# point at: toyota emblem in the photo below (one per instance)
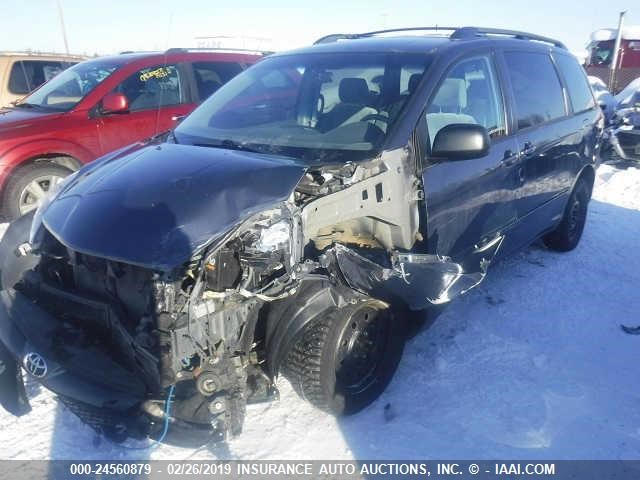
(35, 364)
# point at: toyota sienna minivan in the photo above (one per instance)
(292, 225)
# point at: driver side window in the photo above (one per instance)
(152, 88)
(468, 94)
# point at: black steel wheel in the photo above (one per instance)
(345, 359)
(567, 236)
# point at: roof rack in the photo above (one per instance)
(34, 53)
(469, 32)
(334, 37)
(236, 50)
(458, 33)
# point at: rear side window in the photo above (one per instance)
(577, 84)
(536, 88)
(210, 76)
(27, 75)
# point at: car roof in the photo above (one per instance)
(126, 58)
(45, 56)
(398, 44)
(434, 41)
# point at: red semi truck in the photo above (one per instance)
(602, 52)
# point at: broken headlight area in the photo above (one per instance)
(257, 255)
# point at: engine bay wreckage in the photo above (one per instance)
(112, 307)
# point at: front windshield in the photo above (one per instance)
(64, 91)
(630, 96)
(601, 53)
(318, 107)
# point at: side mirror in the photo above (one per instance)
(114, 103)
(461, 141)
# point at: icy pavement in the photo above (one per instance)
(532, 364)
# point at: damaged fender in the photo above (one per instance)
(418, 280)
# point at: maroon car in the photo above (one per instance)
(98, 106)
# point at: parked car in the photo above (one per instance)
(624, 134)
(291, 223)
(99, 106)
(629, 95)
(23, 72)
(604, 98)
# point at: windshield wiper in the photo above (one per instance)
(32, 105)
(24, 105)
(229, 145)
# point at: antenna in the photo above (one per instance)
(616, 53)
(64, 29)
(166, 50)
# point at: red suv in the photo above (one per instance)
(98, 106)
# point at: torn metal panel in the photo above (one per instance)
(13, 396)
(381, 204)
(418, 280)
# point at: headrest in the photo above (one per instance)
(354, 90)
(152, 85)
(414, 80)
(452, 93)
(478, 87)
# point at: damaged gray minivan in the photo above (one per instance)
(291, 224)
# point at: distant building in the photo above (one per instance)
(235, 42)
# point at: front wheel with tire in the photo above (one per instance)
(28, 186)
(343, 360)
(568, 233)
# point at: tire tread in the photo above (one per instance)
(302, 366)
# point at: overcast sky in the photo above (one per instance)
(110, 26)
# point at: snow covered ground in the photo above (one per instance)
(532, 365)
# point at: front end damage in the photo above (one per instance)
(116, 336)
(624, 135)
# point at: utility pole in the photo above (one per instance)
(616, 54)
(64, 29)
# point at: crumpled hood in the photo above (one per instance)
(155, 206)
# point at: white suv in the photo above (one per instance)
(21, 73)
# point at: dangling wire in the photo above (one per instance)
(165, 430)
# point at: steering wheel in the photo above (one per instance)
(375, 116)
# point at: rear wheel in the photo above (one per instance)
(28, 186)
(567, 236)
(343, 361)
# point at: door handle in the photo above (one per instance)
(528, 149)
(178, 118)
(509, 158)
